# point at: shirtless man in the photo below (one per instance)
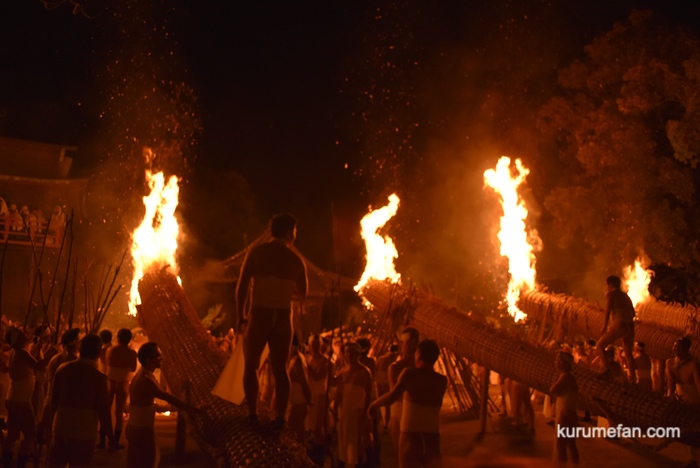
(69, 343)
(409, 344)
(372, 437)
(422, 390)
(106, 336)
(566, 391)
(79, 399)
(619, 306)
(643, 364)
(39, 346)
(277, 275)
(683, 380)
(317, 371)
(20, 413)
(121, 364)
(519, 399)
(351, 404)
(142, 450)
(382, 377)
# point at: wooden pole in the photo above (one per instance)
(485, 381)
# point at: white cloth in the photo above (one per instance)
(142, 416)
(318, 409)
(352, 413)
(119, 374)
(230, 384)
(420, 418)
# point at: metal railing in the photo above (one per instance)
(20, 232)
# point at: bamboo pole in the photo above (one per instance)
(102, 309)
(37, 274)
(65, 282)
(71, 314)
(55, 272)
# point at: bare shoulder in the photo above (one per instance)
(142, 383)
(398, 366)
(253, 254)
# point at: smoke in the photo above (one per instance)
(143, 104)
(449, 97)
(444, 91)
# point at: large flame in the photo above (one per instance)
(154, 242)
(637, 279)
(381, 251)
(513, 234)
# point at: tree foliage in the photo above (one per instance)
(623, 131)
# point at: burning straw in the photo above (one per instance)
(193, 361)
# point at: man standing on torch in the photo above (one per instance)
(272, 275)
(619, 306)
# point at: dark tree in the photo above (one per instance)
(623, 133)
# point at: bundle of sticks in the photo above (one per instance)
(533, 366)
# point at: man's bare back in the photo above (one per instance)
(277, 275)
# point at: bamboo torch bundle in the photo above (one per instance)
(192, 365)
(578, 317)
(534, 367)
(683, 318)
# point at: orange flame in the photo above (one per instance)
(513, 234)
(637, 279)
(154, 242)
(381, 251)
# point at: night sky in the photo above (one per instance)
(322, 107)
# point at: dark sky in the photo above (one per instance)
(283, 88)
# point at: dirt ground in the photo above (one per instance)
(501, 446)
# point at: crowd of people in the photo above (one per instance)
(62, 396)
(329, 390)
(354, 387)
(23, 225)
(341, 398)
(311, 393)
